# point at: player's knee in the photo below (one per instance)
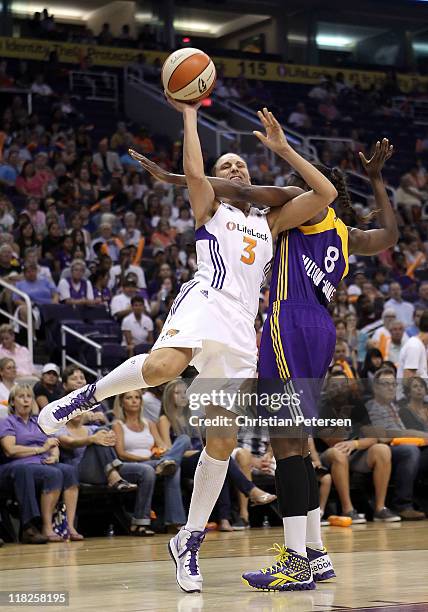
(220, 448)
(156, 369)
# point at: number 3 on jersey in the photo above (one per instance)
(248, 257)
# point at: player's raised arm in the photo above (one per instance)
(236, 191)
(307, 204)
(201, 193)
(371, 242)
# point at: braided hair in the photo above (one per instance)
(338, 179)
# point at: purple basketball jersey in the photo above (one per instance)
(310, 261)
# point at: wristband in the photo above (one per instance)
(357, 443)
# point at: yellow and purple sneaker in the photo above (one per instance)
(321, 565)
(290, 572)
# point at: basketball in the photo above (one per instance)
(188, 75)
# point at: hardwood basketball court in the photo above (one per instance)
(379, 567)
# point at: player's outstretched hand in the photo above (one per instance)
(159, 173)
(382, 152)
(182, 107)
(274, 139)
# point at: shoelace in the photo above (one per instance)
(193, 545)
(83, 401)
(280, 559)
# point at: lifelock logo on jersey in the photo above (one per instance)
(231, 226)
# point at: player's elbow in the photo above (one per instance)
(394, 236)
(331, 194)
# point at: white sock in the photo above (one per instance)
(295, 533)
(313, 529)
(126, 377)
(208, 481)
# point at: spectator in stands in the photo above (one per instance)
(413, 356)
(48, 389)
(413, 329)
(9, 265)
(137, 327)
(8, 376)
(397, 340)
(164, 236)
(120, 305)
(185, 221)
(328, 109)
(319, 92)
(32, 461)
(26, 236)
(10, 170)
(105, 37)
(121, 138)
(346, 451)
(107, 242)
(76, 289)
(134, 186)
(125, 267)
(102, 293)
(86, 191)
(40, 88)
(382, 334)
(422, 302)
(136, 438)
(415, 255)
(409, 196)
(36, 216)
(403, 310)
(51, 243)
(341, 306)
(414, 408)
(384, 418)
(20, 354)
(299, 118)
(372, 363)
(39, 290)
(108, 162)
(30, 183)
(130, 234)
(65, 253)
(342, 359)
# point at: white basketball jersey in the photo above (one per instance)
(234, 252)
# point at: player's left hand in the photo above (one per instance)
(274, 139)
(159, 173)
(382, 152)
(182, 107)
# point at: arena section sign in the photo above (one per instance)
(32, 49)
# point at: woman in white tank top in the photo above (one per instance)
(139, 446)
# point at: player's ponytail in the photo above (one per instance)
(338, 179)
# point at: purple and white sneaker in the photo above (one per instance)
(184, 551)
(53, 416)
(321, 565)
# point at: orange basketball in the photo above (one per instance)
(188, 75)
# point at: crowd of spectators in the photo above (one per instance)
(43, 25)
(82, 225)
